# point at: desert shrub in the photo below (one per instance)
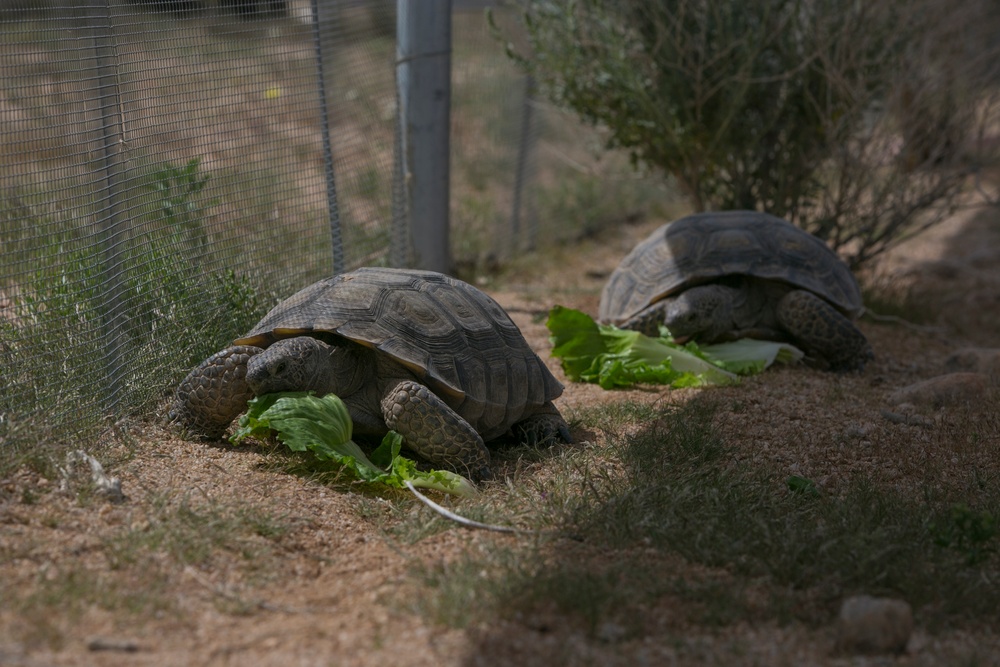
(856, 121)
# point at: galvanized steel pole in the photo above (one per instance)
(111, 224)
(423, 76)
(336, 236)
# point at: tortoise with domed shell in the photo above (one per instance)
(720, 276)
(418, 352)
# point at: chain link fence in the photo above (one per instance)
(172, 168)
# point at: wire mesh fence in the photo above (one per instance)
(172, 168)
(168, 172)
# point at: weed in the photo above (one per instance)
(72, 590)
(369, 183)
(802, 485)
(809, 146)
(376, 510)
(612, 418)
(971, 533)
(143, 562)
(582, 202)
(888, 297)
(195, 535)
(178, 189)
(262, 523)
(75, 588)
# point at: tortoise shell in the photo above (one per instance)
(454, 338)
(704, 247)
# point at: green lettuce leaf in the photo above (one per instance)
(748, 356)
(614, 357)
(322, 425)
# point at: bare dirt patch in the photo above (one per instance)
(223, 556)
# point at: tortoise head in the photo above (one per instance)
(302, 363)
(704, 313)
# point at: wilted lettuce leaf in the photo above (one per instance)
(748, 356)
(614, 357)
(322, 425)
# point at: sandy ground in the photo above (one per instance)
(333, 588)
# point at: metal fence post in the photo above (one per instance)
(112, 228)
(336, 236)
(423, 75)
(521, 208)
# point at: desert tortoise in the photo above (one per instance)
(720, 276)
(419, 352)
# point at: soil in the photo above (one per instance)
(332, 589)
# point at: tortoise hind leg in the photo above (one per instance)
(829, 338)
(546, 426)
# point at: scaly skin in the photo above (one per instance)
(433, 430)
(545, 426)
(214, 393)
(825, 334)
(217, 391)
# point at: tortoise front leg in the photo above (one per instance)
(433, 430)
(214, 393)
(829, 337)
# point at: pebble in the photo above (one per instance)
(112, 644)
(874, 625)
(904, 417)
(943, 390)
(610, 632)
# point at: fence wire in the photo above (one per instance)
(168, 174)
(170, 169)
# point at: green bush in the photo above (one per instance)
(844, 117)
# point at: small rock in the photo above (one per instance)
(874, 625)
(937, 392)
(984, 360)
(908, 419)
(856, 431)
(610, 632)
(110, 644)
